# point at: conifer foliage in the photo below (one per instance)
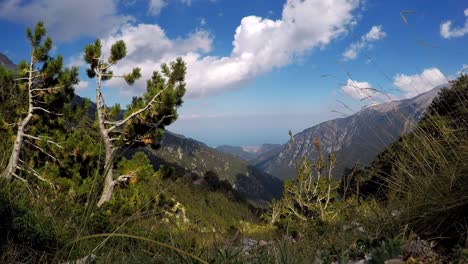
(36, 95)
(146, 116)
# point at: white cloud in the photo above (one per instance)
(148, 47)
(203, 21)
(66, 20)
(412, 85)
(155, 6)
(76, 61)
(446, 30)
(357, 90)
(408, 86)
(259, 45)
(147, 41)
(363, 91)
(373, 35)
(82, 85)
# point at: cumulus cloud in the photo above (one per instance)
(148, 47)
(66, 20)
(446, 30)
(363, 91)
(408, 86)
(357, 90)
(155, 6)
(82, 85)
(259, 45)
(76, 61)
(412, 85)
(373, 35)
(149, 42)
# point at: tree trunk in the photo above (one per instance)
(15, 154)
(14, 157)
(108, 182)
(108, 164)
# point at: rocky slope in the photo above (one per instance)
(250, 154)
(354, 139)
(237, 151)
(190, 156)
(6, 62)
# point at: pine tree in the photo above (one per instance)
(7, 112)
(39, 91)
(146, 116)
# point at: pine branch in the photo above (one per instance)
(43, 151)
(24, 181)
(160, 121)
(150, 104)
(44, 139)
(45, 110)
(124, 178)
(47, 89)
(112, 75)
(108, 66)
(34, 172)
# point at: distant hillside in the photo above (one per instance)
(250, 154)
(356, 138)
(6, 62)
(237, 151)
(190, 156)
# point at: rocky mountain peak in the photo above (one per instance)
(357, 138)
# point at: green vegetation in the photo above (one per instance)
(411, 204)
(423, 176)
(145, 118)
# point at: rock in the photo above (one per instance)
(395, 261)
(248, 243)
(262, 243)
(362, 261)
(88, 259)
(421, 249)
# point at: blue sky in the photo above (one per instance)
(257, 68)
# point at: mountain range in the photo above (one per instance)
(248, 153)
(189, 156)
(355, 139)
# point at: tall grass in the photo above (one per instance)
(428, 180)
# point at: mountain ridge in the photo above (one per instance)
(363, 134)
(6, 62)
(249, 154)
(191, 156)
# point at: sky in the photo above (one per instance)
(257, 68)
